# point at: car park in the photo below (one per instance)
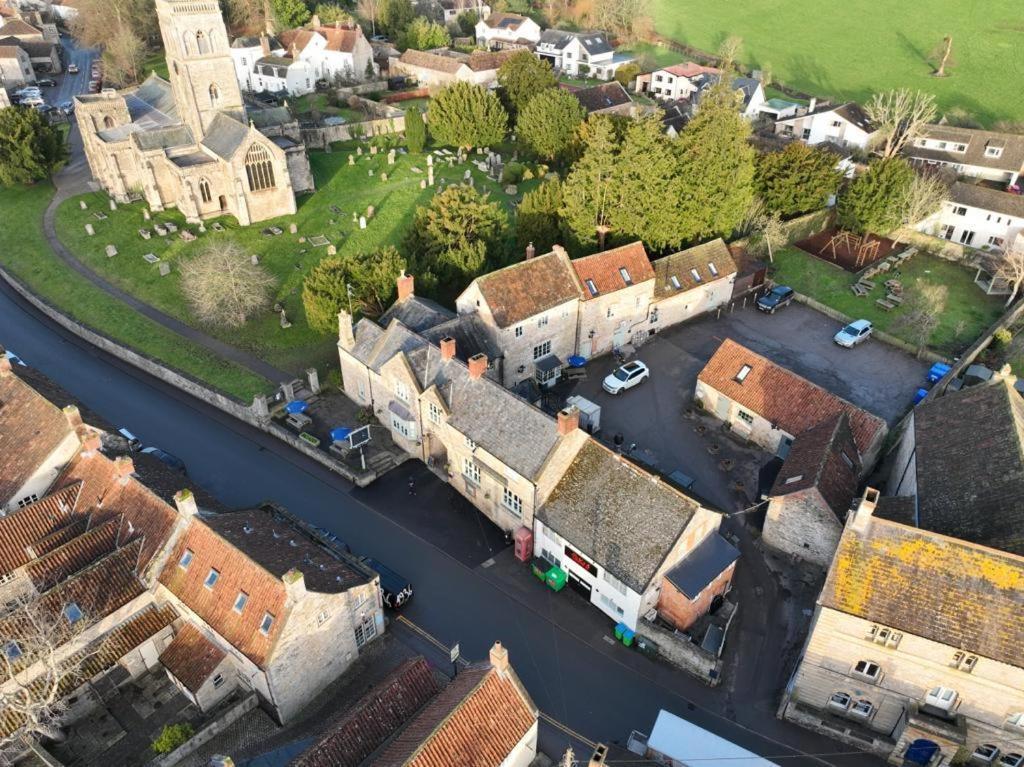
(172, 461)
(626, 377)
(775, 299)
(855, 333)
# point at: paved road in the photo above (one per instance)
(599, 690)
(69, 85)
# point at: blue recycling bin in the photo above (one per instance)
(920, 395)
(937, 371)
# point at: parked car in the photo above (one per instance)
(31, 101)
(14, 358)
(626, 377)
(67, 107)
(395, 589)
(854, 333)
(775, 299)
(166, 458)
(73, 69)
(134, 443)
(46, 82)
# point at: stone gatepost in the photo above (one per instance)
(259, 408)
(314, 380)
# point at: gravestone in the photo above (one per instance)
(145, 234)
(430, 160)
(82, 205)
(351, 160)
(164, 268)
(111, 251)
(355, 217)
(202, 228)
(423, 183)
(302, 240)
(468, 175)
(332, 250)
(145, 214)
(472, 183)
(254, 260)
(383, 176)
(511, 189)
(373, 150)
(150, 258)
(370, 210)
(362, 222)
(391, 158)
(89, 230)
(359, 151)
(113, 205)
(370, 173)
(451, 162)
(285, 324)
(430, 176)
(293, 228)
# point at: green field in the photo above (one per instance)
(854, 48)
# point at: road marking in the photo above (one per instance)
(488, 563)
(608, 639)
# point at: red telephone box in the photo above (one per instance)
(524, 544)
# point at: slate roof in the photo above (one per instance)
(950, 591)
(594, 42)
(265, 117)
(375, 718)
(225, 135)
(499, 20)
(417, 314)
(31, 428)
(986, 198)
(605, 96)
(603, 269)
(970, 465)
(706, 562)
(528, 288)
(191, 657)
(698, 257)
(471, 336)
(475, 721)
(782, 397)
(816, 459)
(613, 512)
(253, 41)
(851, 111)
(1012, 144)
(897, 508)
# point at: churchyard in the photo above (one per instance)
(385, 196)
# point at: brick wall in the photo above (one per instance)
(676, 607)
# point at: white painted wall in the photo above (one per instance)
(973, 227)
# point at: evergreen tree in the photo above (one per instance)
(415, 131)
(395, 16)
(371, 275)
(330, 13)
(289, 13)
(874, 201)
(521, 77)
(589, 195)
(549, 123)
(797, 179)
(423, 35)
(467, 115)
(538, 218)
(716, 168)
(30, 148)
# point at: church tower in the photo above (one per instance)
(199, 62)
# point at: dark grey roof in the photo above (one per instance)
(604, 96)
(471, 336)
(191, 159)
(548, 363)
(749, 87)
(977, 141)
(970, 465)
(156, 93)
(416, 313)
(593, 42)
(253, 41)
(269, 117)
(225, 135)
(897, 508)
(986, 198)
(702, 565)
(164, 138)
(851, 111)
(613, 512)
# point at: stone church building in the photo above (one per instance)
(190, 143)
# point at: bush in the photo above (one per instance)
(173, 736)
(513, 173)
(1002, 337)
(527, 174)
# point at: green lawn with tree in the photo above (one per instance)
(860, 47)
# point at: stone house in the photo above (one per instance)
(614, 309)
(689, 589)
(815, 487)
(770, 405)
(15, 68)
(960, 461)
(980, 154)
(440, 67)
(507, 31)
(846, 125)
(331, 52)
(43, 56)
(691, 282)
(914, 648)
(606, 99)
(617, 531)
(977, 216)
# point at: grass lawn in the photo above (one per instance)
(25, 253)
(854, 48)
(318, 101)
(350, 188)
(154, 62)
(659, 56)
(830, 285)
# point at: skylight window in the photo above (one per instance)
(12, 651)
(625, 275)
(696, 275)
(675, 282)
(211, 578)
(73, 612)
(240, 601)
(266, 623)
(186, 559)
(744, 372)
(794, 478)
(713, 269)
(591, 287)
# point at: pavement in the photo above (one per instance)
(579, 680)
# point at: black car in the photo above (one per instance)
(776, 298)
(172, 461)
(46, 82)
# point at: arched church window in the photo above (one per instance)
(204, 190)
(214, 95)
(259, 168)
(202, 44)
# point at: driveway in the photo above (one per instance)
(874, 376)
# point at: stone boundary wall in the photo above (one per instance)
(207, 733)
(187, 384)
(387, 119)
(372, 86)
(684, 655)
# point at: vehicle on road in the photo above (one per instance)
(856, 332)
(172, 461)
(14, 358)
(395, 589)
(31, 101)
(67, 107)
(775, 299)
(46, 82)
(73, 69)
(626, 377)
(134, 443)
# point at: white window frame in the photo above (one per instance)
(614, 582)
(365, 630)
(28, 500)
(746, 417)
(402, 391)
(241, 600)
(862, 709)
(211, 578)
(406, 428)
(267, 623)
(839, 701)
(944, 698)
(434, 413)
(218, 680)
(867, 669)
(471, 471)
(322, 617)
(512, 502)
(6, 578)
(518, 332)
(186, 559)
(964, 661)
(985, 752)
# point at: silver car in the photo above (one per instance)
(856, 332)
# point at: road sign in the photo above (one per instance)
(359, 437)
(455, 652)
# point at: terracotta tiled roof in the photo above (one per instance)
(475, 722)
(960, 594)
(480, 61)
(682, 264)
(528, 288)
(266, 593)
(371, 721)
(24, 527)
(603, 269)
(789, 401)
(63, 562)
(342, 40)
(31, 428)
(191, 657)
(816, 460)
(57, 539)
(689, 69)
(19, 28)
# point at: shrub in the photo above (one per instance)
(1002, 337)
(513, 173)
(173, 736)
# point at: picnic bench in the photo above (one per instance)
(298, 421)
(885, 304)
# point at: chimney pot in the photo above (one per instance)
(559, 250)
(531, 251)
(406, 286)
(477, 366)
(568, 421)
(123, 468)
(599, 756)
(185, 502)
(499, 658)
(447, 348)
(74, 417)
(294, 584)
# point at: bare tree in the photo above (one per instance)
(368, 9)
(927, 191)
(1010, 267)
(924, 307)
(620, 17)
(900, 117)
(729, 51)
(123, 29)
(771, 233)
(942, 56)
(224, 286)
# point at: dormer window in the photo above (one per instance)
(211, 578)
(743, 373)
(839, 701)
(868, 670)
(625, 275)
(591, 287)
(993, 151)
(1011, 760)
(942, 698)
(964, 661)
(985, 753)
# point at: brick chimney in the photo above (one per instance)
(123, 468)
(860, 520)
(73, 417)
(406, 286)
(568, 421)
(597, 759)
(265, 44)
(5, 365)
(531, 251)
(499, 658)
(91, 443)
(185, 501)
(447, 348)
(346, 336)
(314, 22)
(477, 366)
(559, 250)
